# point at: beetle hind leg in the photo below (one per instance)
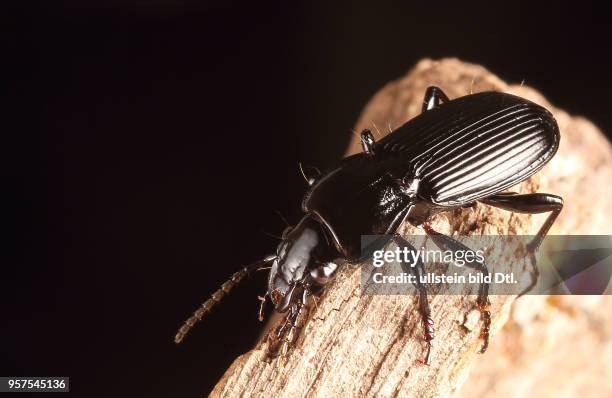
(531, 203)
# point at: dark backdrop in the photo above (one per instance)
(148, 147)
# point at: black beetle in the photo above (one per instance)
(452, 155)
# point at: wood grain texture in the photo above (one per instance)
(371, 346)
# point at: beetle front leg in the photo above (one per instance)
(434, 96)
(484, 305)
(417, 270)
(293, 325)
(285, 334)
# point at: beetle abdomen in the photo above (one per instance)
(475, 146)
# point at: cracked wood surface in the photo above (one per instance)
(371, 346)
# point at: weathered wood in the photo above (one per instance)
(371, 346)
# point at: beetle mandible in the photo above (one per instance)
(454, 154)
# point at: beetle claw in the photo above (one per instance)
(427, 360)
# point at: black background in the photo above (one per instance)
(148, 146)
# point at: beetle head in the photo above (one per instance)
(295, 256)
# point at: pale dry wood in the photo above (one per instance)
(371, 346)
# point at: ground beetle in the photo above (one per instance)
(452, 155)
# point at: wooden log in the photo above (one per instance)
(372, 346)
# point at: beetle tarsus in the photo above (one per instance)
(534, 273)
(427, 359)
(263, 298)
(428, 328)
(485, 315)
(286, 333)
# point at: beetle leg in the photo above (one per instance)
(434, 96)
(289, 338)
(286, 333)
(447, 243)
(276, 337)
(262, 299)
(417, 270)
(531, 203)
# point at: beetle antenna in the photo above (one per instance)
(282, 217)
(522, 82)
(217, 296)
(272, 235)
